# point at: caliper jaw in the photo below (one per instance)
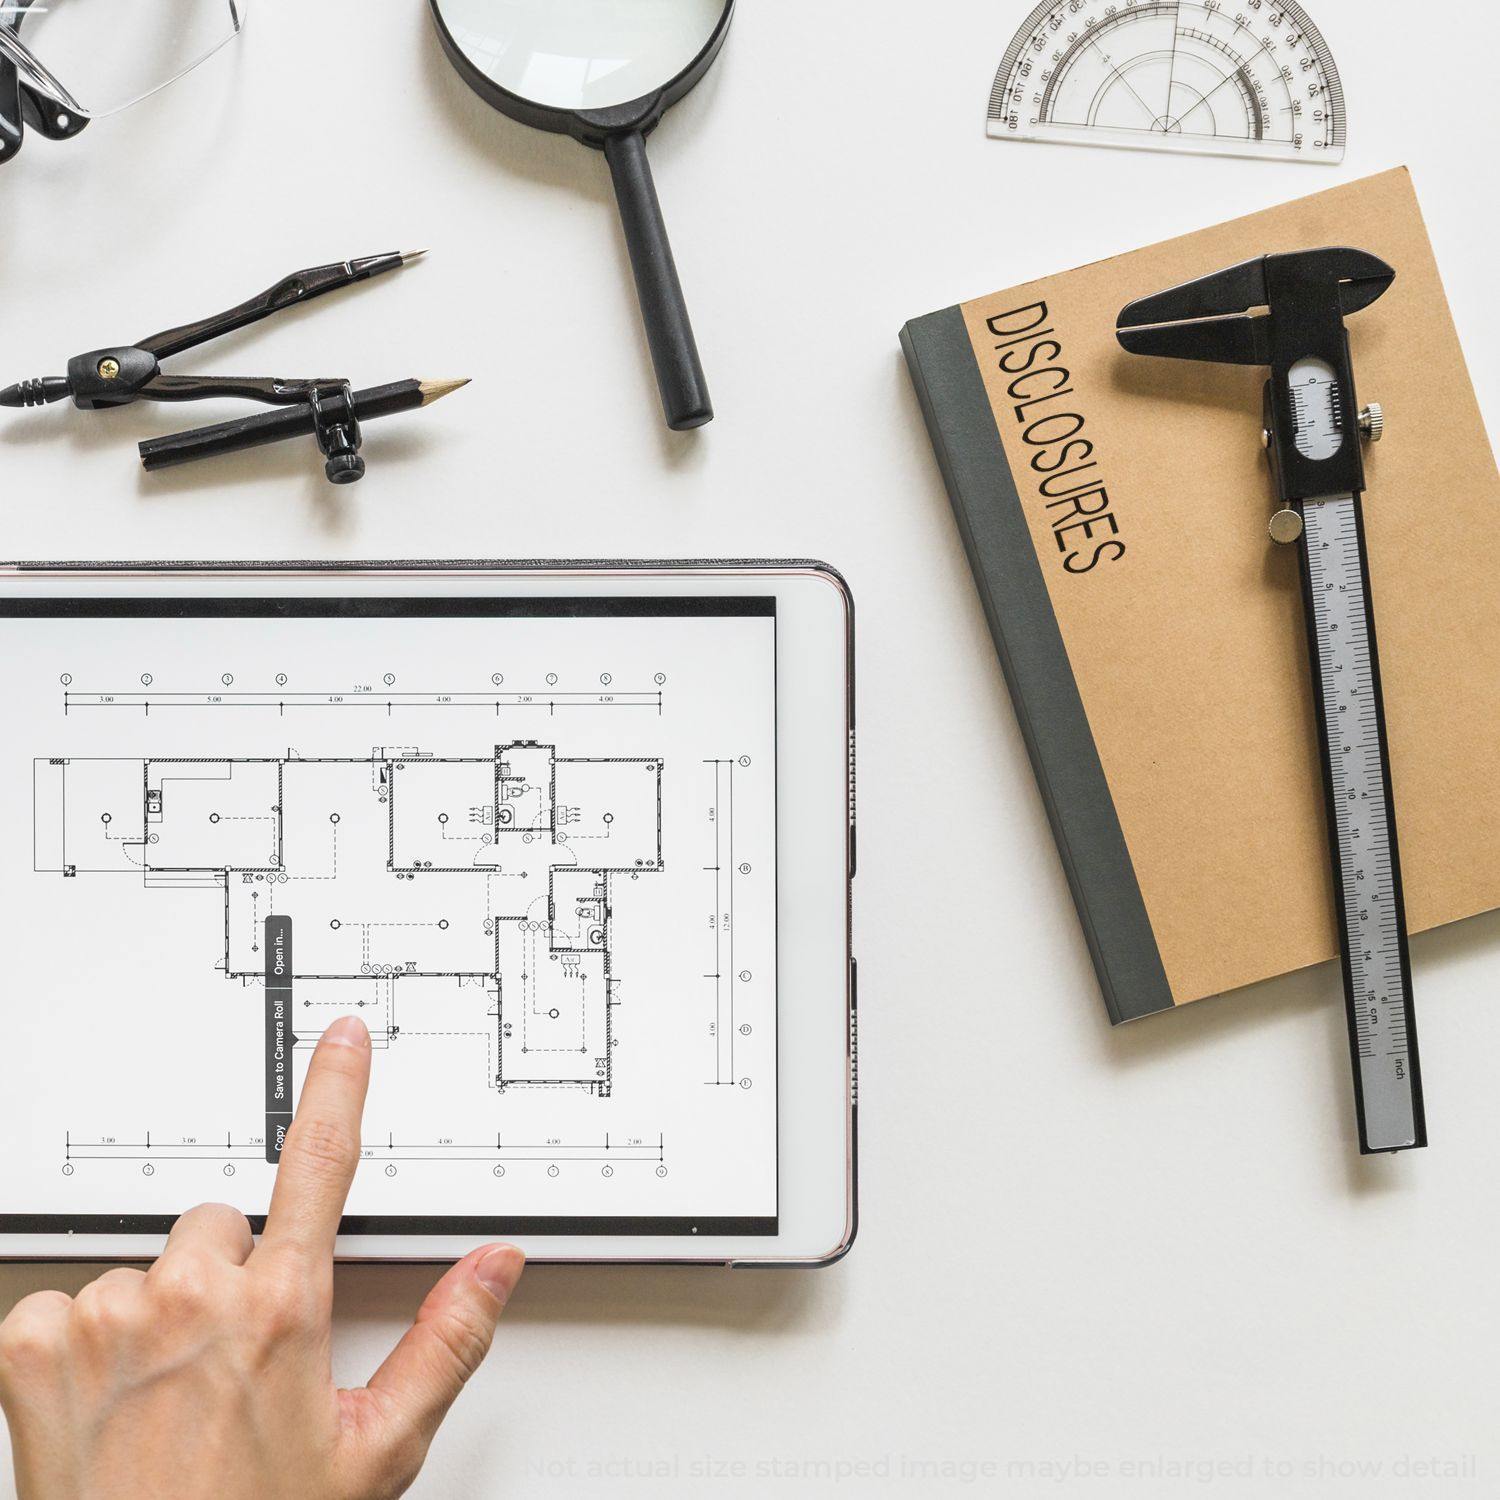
(1306, 296)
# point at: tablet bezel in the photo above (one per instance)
(817, 1089)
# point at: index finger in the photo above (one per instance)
(322, 1146)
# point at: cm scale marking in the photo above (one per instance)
(1377, 978)
(1225, 77)
(1313, 428)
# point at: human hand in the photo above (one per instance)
(209, 1377)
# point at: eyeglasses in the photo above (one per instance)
(66, 62)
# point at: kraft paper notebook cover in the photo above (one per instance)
(1152, 635)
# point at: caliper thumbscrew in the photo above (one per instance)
(1286, 526)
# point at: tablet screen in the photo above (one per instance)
(531, 841)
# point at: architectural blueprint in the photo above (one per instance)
(548, 891)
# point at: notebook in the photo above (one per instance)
(1114, 511)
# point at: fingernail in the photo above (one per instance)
(499, 1271)
(347, 1031)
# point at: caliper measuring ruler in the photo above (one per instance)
(1313, 431)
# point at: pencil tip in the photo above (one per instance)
(408, 256)
(435, 390)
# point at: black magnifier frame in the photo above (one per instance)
(620, 132)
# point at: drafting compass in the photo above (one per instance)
(1313, 429)
(328, 409)
(1254, 79)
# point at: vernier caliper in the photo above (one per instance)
(1313, 427)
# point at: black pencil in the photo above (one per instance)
(285, 422)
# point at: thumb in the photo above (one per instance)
(424, 1373)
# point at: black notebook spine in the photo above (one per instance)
(1054, 724)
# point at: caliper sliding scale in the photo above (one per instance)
(1312, 435)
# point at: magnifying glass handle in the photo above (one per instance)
(684, 391)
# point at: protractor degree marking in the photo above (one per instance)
(1090, 37)
(1090, 72)
(1242, 73)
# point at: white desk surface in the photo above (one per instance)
(1150, 1251)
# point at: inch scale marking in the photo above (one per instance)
(1367, 877)
(1313, 426)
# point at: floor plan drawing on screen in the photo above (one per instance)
(531, 844)
(435, 895)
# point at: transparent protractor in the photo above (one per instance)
(1225, 77)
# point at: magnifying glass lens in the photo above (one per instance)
(581, 54)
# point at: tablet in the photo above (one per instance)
(575, 840)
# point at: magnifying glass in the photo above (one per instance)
(604, 72)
